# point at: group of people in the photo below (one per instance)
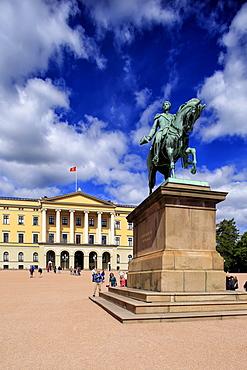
(98, 277)
(55, 269)
(75, 271)
(31, 270)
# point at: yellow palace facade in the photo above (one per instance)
(71, 230)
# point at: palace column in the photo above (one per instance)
(112, 229)
(99, 262)
(72, 226)
(99, 228)
(86, 227)
(86, 262)
(71, 259)
(58, 225)
(43, 233)
(57, 259)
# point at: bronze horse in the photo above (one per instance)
(175, 143)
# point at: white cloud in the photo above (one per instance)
(125, 17)
(225, 179)
(32, 32)
(129, 193)
(26, 120)
(37, 150)
(142, 97)
(225, 92)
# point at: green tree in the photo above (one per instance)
(227, 236)
(240, 253)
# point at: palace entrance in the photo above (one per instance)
(106, 258)
(50, 258)
(79, 259)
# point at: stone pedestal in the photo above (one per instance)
(175, 240)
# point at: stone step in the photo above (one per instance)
(139, 307)
(151, 296)
(125, 316)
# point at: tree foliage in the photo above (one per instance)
(240, 254)
(227, 236)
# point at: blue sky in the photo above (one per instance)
(80, 83)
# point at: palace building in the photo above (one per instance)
(74, 229)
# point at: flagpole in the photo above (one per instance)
(76, 180)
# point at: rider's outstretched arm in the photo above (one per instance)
(146, 139)
(154, 127)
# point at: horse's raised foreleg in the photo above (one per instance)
(188, 162)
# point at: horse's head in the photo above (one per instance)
(189, 113)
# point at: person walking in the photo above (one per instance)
(98, 279)
(31, 270)
(93, 273)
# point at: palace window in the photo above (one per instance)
(35, 220)
(6, 256)
(78, 221)
(104, 222)
(78, 239)
(20, 238)
(130, 226)
(103, 241)
(5, 237)
(51, 220)
(51, 238)
(35, 257)
(117, 240)
(64, 238)
(130, 241)
(117, 225)
(118, 258)
(20, 220)
(5, 219)
(91, 239)
(91, 221)
(20, 257)
(64, 220)
(35, 238)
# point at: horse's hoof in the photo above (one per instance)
(193, 171)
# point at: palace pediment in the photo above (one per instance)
(77, 199)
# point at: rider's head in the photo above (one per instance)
(166, 106)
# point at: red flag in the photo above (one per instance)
(72, 169)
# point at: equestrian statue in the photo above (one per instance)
(171, 140)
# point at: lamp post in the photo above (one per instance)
(95, 260)
(65, 258)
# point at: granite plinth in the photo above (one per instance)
(175, 240)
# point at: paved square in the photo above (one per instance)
(49, 321)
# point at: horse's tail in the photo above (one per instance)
(151, 172)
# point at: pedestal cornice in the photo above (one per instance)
(179, 194)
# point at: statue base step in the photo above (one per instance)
(134, 305)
